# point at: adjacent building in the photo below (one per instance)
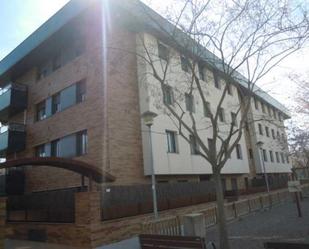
(69, 91)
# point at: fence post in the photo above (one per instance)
(235, 211)
(261, 201)
(2, 221)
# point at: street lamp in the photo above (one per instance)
(148, 118)
(260, 145)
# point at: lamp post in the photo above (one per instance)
(148, 118)
(260, 145)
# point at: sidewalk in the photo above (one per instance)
(279, 223)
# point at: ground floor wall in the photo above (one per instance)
(230, 182)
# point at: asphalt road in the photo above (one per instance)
(281, 223)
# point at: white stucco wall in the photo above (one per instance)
(270, 144)
(150, 94)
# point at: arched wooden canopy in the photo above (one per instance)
(80, 167)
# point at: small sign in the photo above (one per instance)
(294, 186)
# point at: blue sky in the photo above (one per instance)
(19, 18)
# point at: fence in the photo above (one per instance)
(124, 201)
(232, 211)
(48, 206)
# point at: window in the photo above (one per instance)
(264, 156)
(221, 115)
(210, 143)
(271, 155)
(185, 64)
(282, 137)
(80, 47)
(250, 153)
(267, 131)
(69, 146)
(41, 111)
(234, 118)
(55, 149)
(256, 103)
(273, 133)
(80, 91)
(44, 70)
(216, 80)
(278, 135)
(57, 61)
(269, 110)
(280, 116)
(163, 51)
(81, 143)
(277, 157)
(229, 89)
(287, 159)
(168, 97)
(282, 157)
(194, 146)
(260, 129)
(275, 114)
(171, 142)
(189, 102)
(69, 96)
(238, 151)
(40, 151)
(201, 71)
(207, 110)
(263, 107)
(55, 103)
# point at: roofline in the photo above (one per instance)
(74, 7)
(46, 30)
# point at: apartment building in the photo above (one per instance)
(68, 92)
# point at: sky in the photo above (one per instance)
(19, 18)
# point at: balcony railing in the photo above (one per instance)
(13, 100)
(12, 138)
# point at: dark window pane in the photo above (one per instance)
(163, 51)
(81, 91)
(185, 64)
(194, 146)
(81, 143)
(201, 70)
(168, 97)
(67, 146)
(55, 148)
(207, 110)
(189, 102)
(40, 151)
(238, 151)
(56, 103)
(41, 111)
(68, 97)
(171, 142)
(216, 80)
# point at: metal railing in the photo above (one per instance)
(232, 211)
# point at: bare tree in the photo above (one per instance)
(241, 42)
(302, 94)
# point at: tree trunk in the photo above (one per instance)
(223, 234)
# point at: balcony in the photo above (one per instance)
(12, 138)
(13, 100)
